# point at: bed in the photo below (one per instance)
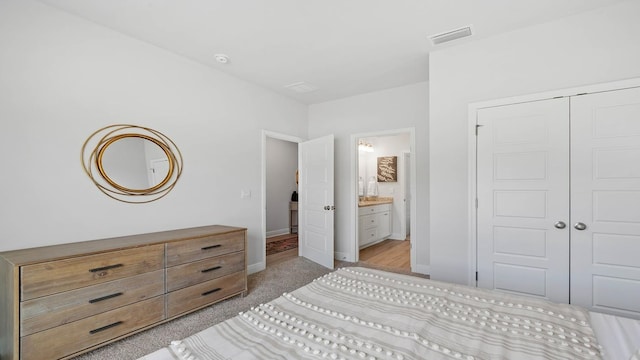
(360, 313)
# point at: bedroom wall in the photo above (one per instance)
(593, 47)
(396, 108)
(282, 163)
(63, 78)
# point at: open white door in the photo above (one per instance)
(315, 201)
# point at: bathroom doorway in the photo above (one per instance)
(383, 205)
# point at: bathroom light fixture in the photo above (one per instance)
(365, 146)
(221, 58)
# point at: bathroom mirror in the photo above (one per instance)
(131, 163)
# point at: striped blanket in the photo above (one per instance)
(358, 313)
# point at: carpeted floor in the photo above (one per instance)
(263, 287)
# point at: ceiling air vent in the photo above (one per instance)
(301, 87)
(451, 35)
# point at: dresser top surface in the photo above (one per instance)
(53, 252)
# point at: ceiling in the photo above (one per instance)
(342, 47)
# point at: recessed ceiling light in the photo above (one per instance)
(301, 87)
(221, 58)
(451, 35)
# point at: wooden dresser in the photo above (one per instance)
(62, 300)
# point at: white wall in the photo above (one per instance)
(593, 47)
(396, 108)
(282, 163)
(63, 78)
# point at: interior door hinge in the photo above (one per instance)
(476, 276)
(477, 127)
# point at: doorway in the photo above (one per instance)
(315, 176)
(281, 229)
(384, 210)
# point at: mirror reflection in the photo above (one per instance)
(135, 163)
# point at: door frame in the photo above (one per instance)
(472, 149)
(353, 194)
(406, 164)
(253, 268)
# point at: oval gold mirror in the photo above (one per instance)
(131, 163)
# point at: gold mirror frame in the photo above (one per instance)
(95, 146)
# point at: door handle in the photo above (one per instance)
(560, 225)
(579, 226)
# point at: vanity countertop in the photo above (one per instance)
(375, 201)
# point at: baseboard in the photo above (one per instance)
(422, 269)
(397, 236)
(344, 256)
(277, 232)
(254, 268)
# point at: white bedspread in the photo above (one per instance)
(619, 337)
(358, 313)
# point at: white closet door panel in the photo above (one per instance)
(523, 186)
(605, 193)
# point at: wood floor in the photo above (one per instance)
(394, 254)
(281, 256)
(390, 254)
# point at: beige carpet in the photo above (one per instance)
(263, 287)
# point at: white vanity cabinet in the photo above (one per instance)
(374, 224)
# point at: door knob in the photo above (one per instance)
(560, 225)
(579, 226)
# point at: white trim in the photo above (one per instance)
(353, 255)
(471, 157)
(278, 232)
(422, 269)
(263, 187)
(342, 256)
(254, 268)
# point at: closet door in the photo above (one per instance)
(523, 199)
(605, 207)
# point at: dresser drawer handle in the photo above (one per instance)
(211, 247)
(106, 268)
(211, 291)
(107, 297)
(211, 269)
(94, 331)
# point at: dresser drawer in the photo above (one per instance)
(76, 336)
(196, 296)
(76, 272)
(188, 274)
(181, 252)
(59, 309)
